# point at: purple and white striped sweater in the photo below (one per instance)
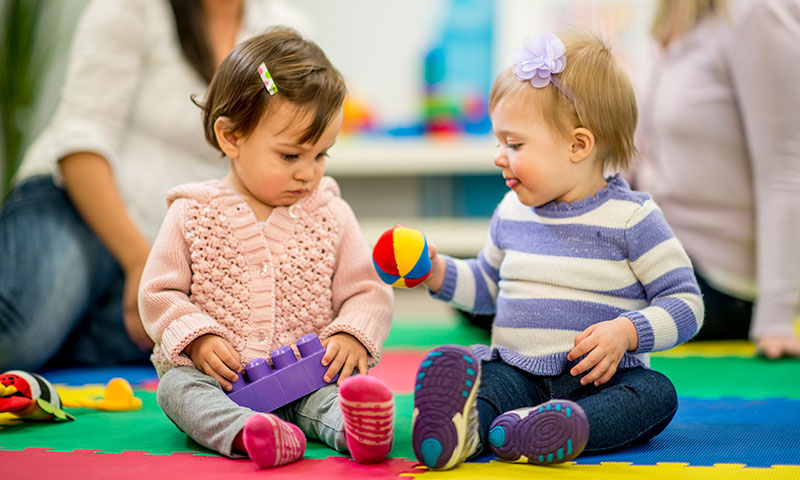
(549, 272)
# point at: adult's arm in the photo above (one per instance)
(90, 186)
(98, 93)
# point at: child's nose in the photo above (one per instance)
(500, 159)
(305, 172)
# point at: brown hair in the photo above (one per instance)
(601, 98)
(302, 73)
(190, 21)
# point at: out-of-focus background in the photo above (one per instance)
(417, 145)
(417, 149)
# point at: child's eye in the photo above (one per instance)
(323, 156)
(513, 146)
(290, 156)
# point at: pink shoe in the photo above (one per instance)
(270, 441)
(368, 408)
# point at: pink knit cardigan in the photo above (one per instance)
(214, 269)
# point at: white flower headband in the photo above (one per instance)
(539, 60)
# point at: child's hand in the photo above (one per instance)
(438, 268)
(343, 354)
(605, 343)
(216, 357)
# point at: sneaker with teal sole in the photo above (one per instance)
(445, 420)
(553, 432)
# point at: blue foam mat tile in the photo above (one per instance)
(756, 433)
(704, 432)
(77, 376)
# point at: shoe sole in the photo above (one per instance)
(445, 392)
(553, 432)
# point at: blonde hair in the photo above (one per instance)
(301, 71)
(601, 98)
(673, 18)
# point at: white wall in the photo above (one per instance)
(379, 45)
(623, 23)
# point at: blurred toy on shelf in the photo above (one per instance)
(358, 117)
(457, 71)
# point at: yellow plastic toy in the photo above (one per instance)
(116, 397)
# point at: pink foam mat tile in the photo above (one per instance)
(397, 368)
(90, 464)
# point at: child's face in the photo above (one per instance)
(272, 167)
(534, 158)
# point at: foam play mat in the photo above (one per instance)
(739, 418)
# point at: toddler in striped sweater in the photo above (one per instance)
(583, 275)
(256, 260)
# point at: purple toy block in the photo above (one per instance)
(266, 389)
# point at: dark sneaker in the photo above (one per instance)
(553, 432)
(445, 425)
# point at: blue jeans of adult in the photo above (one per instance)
(634, 406)
(60, 288)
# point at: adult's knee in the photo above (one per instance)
(22, 347)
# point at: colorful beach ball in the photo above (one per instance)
(401, 257)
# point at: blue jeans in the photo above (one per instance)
(634, 406)
(727, 317)
(60, 289)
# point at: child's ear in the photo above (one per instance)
(582, 144)
(227, 139)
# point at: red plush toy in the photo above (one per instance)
(30, 397)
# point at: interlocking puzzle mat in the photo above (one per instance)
(739, 418)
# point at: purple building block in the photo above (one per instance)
(266, 389)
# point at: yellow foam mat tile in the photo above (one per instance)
(495, 470)
(719, 348)
(726, 348)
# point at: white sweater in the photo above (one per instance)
(126, 96)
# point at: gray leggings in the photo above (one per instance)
(197, 405)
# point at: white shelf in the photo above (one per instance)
(365, 156)
(399, 163)
(455, 237)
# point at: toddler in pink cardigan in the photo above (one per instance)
(269, 253)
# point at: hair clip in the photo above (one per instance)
(269, 83)
(539, 59)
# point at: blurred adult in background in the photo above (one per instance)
(76, 230)
(721, 146)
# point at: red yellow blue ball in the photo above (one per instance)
(401, 257)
